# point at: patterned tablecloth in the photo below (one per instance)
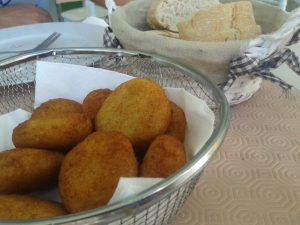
(255, 177)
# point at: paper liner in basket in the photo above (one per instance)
(57, 80)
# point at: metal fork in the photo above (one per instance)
(44, 44)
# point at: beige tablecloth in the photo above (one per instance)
(255, 177)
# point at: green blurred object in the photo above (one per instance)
(77, 11)
(63, 7)
(70, 5)
(292, 4)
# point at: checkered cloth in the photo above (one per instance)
(244, 65)
(109, 39)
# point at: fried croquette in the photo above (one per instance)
(22, 207)
(137, 108)
(90, 172)
(178, 122)
(57, 106)
(165, 156)
(23, 170)
(60, 133)
(93, 102)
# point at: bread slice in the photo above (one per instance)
(165, 14)
(231, 21)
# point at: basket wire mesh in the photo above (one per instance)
(159, 204)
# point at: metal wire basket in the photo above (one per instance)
(160, 203)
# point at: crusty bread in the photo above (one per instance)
(165, 14)
(224, 22)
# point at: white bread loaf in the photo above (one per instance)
(231, 21)
(165, 14)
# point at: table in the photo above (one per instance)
(255, 177)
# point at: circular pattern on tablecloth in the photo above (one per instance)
(262, 158)
(255, 177)
(272, 196)
(278, 141)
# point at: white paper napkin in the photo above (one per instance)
(7, 123)
(58, 80)
(128, 187)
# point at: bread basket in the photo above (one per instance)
(210, 58)
(159, 204)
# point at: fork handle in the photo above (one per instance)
(9, 52)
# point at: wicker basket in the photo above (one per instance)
(160, 203)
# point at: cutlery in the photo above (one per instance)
(44, 44)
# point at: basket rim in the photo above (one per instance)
(157, 192)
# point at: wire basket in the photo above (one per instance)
(158, 204)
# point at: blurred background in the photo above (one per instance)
(74, 10)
